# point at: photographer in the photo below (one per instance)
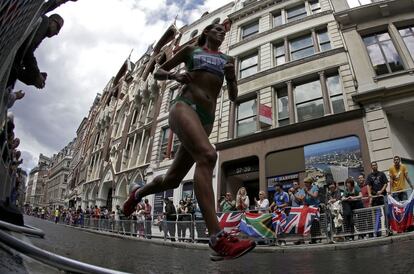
(227, 204)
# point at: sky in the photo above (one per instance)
(96, 39)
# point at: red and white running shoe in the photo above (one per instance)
(229, 247)
(129, 205)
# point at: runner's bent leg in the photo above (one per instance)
(179, 168)
(194, 137)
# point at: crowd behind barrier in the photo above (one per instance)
(368, 223)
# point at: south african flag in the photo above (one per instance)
(257, 225)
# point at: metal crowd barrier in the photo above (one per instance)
(366, 221)
(51, 259)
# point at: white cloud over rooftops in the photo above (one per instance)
(95, 40)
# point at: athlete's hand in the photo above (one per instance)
(183, 78)
(229, 72)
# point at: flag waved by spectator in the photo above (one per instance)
(230, 221)
(257, 225)
(299, 220)
(400, 214)
(279, 221)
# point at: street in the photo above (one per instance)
(143, 257)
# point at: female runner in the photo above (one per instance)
(191, 118)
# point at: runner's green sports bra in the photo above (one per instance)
(207, 60)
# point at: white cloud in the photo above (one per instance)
(97, 37)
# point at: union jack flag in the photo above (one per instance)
(299, 220)
(279, 221)
(230, 221)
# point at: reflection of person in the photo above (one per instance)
(242, 200)
(399, 175)
(191, 118)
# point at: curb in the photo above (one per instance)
(408, 236)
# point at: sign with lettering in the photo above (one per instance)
(265, 115)
(242, 169)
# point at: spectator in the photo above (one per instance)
(351, 201)
(334, 193)
(377, 184)
(171, 217)
(13, 97)
(25, 64)
(311, 193)
(365, 222)
(242, 200)
(280, 199)
(138, 217)
(227, 204)
(364, 190)
(200, 225)
(280, 202)
(182, 220)
(399, 176)
(190, 211)
(297, 196)
(333, 198)
(262, 205)
(148, 219)
(79, 212)
(56, 213)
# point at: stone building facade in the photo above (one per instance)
(379, 36)
(57, 177)
(314, 100)
(36, 185)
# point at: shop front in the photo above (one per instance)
(328, 151)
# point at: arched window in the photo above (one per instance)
(216, 21)
(194, 33)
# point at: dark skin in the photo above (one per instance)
(203, 89)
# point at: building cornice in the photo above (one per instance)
(289, 129)
(291, 64)
(373, 11)
(275, 29)
(384, 93)
(253, 8)
(203, 18)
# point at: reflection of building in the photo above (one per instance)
(36, 186)
(380, 41)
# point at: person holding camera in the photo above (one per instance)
(227, 204)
